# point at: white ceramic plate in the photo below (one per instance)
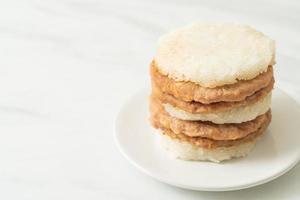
(275, 154)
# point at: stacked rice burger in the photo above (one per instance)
(211, 90)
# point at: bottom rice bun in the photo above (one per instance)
(235, 115)
(200, 148)
(186, 151)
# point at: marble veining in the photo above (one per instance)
(66, 68)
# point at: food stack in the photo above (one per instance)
(211, 90)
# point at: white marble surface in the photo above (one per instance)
(67, 67)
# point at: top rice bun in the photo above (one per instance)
(214, 54)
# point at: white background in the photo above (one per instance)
(67, 66)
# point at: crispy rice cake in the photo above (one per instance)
(191, 148)
(214, 54)
(186, 151)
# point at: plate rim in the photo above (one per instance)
(179, 185)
